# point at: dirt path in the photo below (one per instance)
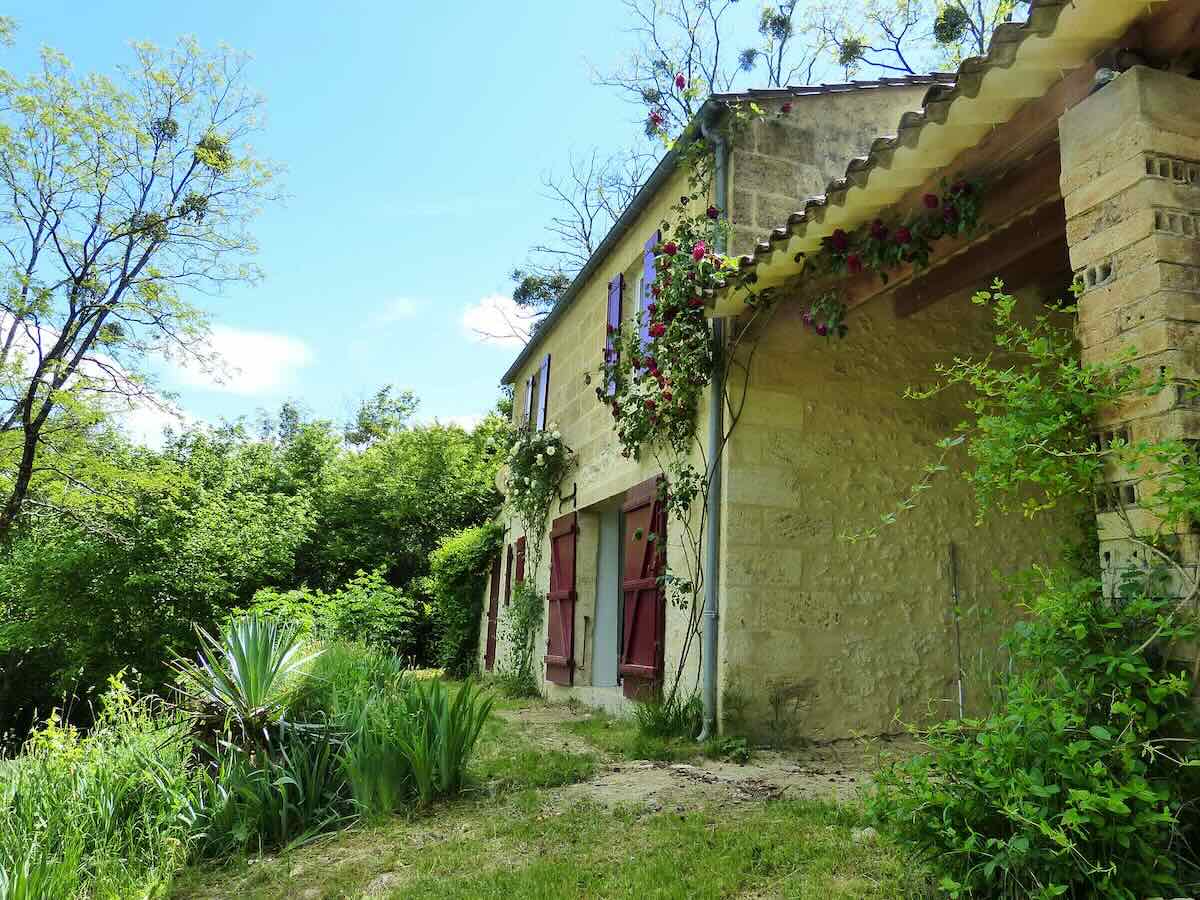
(833, 773)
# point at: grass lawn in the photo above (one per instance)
(514, 837)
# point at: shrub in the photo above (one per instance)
(365, 609)
(1084, 783)
(458, 577)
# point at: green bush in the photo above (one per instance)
(673, 717)
(365, 609)
(458, 577)
(1084, 782)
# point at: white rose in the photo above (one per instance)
(550, 451)
(527, 481)
(541, 460)
(557, 436)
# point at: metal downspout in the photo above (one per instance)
(716, 434)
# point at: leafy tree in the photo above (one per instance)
(380, 415)
(118, 194)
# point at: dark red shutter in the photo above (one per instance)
(543, 392)
(489, 659)
(560, 614)
(616, 292)
(508, 576)
(520, 566)
(648, 276)
(644, 600)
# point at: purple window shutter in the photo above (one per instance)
(648, 274)
(616, 290)
(543, 392)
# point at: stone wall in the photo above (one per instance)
(828, 639)
(1131, 183)
(785, 158)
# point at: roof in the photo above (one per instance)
(666, 167)
(1022, 62)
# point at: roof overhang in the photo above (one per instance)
(1023, 62)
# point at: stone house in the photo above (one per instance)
(804, 634)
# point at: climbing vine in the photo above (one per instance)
(537, 462)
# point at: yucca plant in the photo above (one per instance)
(242, 681)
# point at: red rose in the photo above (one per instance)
(932, 201)
(949, 214)
(854, 264)
(713, 212)
(666, 395)
(903, 236)
(656, 119)
(670, 248)
(651, 362)
(695, 303)
(652, 308)
(680, 81)
(786, 108)
(839, 240)
(879, 230)
(960, 188)
(698, 251)
(609, 329)
(650, 404)
(658, 329)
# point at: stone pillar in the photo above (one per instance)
(1131, 184)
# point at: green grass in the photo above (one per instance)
(506, 762)
(622, 738)
(524, 846)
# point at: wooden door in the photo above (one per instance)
(644, 622)
(560, 614)
(493, 613)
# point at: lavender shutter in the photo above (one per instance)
(616, 290)
(543, 392)
(648, 276)
(529, 400)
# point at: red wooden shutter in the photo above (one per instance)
(508, 576)
(543, 392)
(616, 292)
(489, 659)
(520, 576)
(648, 276)
(560, 616)
(645, 607)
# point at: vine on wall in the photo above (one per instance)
(537, 462)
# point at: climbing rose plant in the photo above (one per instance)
(658, 381)
(882, 248)
(537, 462)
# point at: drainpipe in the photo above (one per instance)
(716, 433)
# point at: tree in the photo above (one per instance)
(118, 196)
(910, 36)
(380, 415)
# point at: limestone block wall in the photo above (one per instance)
(785, 158)
(1131, 183)
(827, 639)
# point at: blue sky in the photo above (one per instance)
(414, 136)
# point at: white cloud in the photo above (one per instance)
(255, 362)
(143, 421)
(496, 319)
(397, 309)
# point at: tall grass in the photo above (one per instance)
(93, 813)
(115, 812)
